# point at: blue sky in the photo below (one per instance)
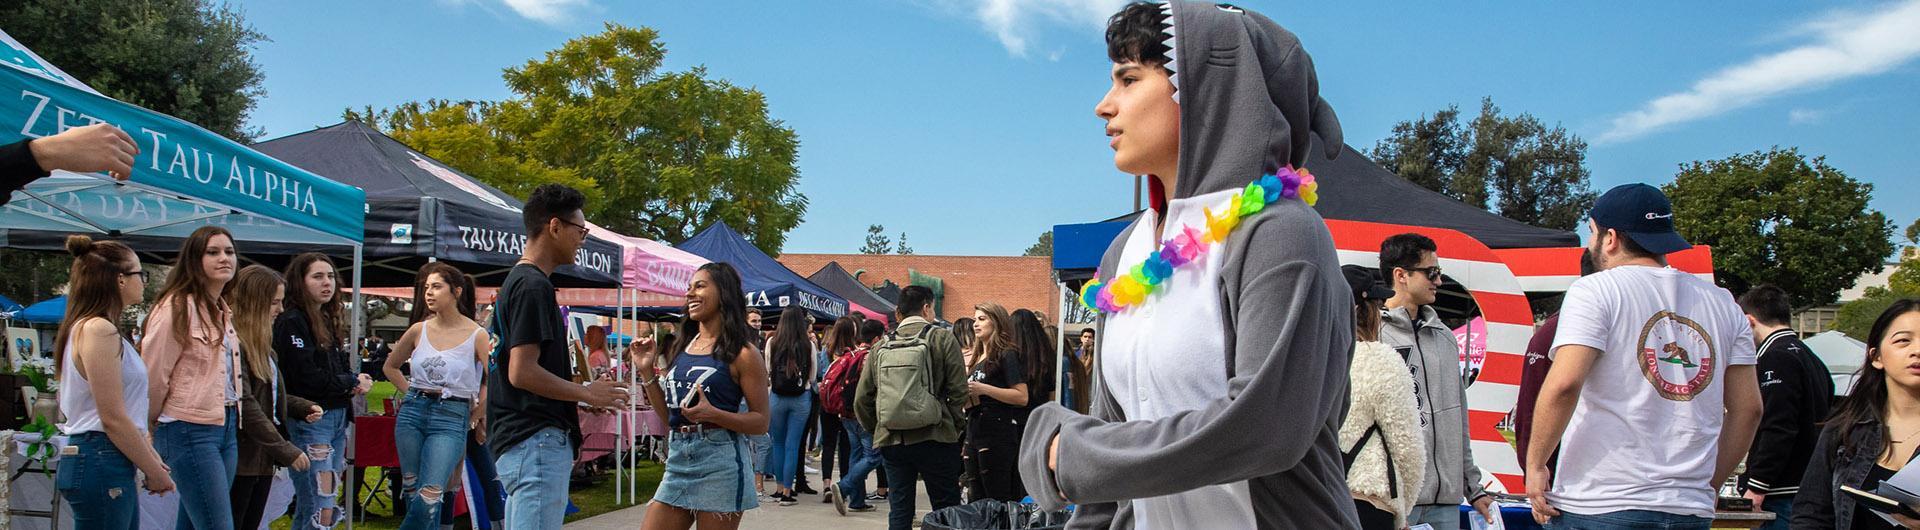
(968, 124)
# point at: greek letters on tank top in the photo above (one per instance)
(453, 372)
(705, 371)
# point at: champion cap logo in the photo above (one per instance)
(1655, 215)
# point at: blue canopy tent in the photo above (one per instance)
(7, 305)
(48, 311)
(770, 286)
(184, 177)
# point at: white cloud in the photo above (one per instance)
(1015, 22)
(1806, 116)
(1844, 46)
(547, 11)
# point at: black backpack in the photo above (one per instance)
(791, 382)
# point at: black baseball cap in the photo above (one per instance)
(1642, 213)
(1365, 283)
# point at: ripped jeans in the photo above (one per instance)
(316, 490)
(430, 435)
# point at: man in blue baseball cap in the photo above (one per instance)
(1660, 364)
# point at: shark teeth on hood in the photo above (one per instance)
(1173, 49)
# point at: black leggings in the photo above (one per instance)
(249, 498)
(833, 441)
(993, 452)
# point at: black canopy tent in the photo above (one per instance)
(419, 209)
(835, 278)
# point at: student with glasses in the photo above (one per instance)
(1414, 330)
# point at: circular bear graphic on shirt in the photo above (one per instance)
(1676, 355)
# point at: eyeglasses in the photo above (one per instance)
(143, 274)
(583, 228)
(1433, 273)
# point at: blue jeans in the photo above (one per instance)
(316, 489)
(97, 482)
(203, 459)
(535, 474)
(1782, 508)
(865, 459)
(1629, 520)
(430, 434)
(788, 427)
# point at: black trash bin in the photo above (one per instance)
(995, 515)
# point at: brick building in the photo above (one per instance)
(1014, 282)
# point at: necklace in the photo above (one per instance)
(1903, 439)
(1131, 286)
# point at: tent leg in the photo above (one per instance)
(359, 317)
(620, 429)
(1060, 342)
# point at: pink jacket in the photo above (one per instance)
(185, 382)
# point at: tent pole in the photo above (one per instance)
(359, 316)
(619, 430)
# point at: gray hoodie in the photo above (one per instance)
(1249, 99)
(1434, 358)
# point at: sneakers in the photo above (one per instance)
(860, 509)
(802, 489)
(839, 501)
(785, 500)
(877, 497)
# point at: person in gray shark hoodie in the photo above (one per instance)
(1217, 401)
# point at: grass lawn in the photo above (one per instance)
(592, 497)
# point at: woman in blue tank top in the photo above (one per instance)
(710, 370)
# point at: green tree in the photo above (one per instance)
(1856, 317)
(877, 242)
(662, 154)
(1906, 278)
(1042, 247)
(191, 59)
(459, 134)
(1515, 166)
(901, 247)
(1781, 218)
(673, 151)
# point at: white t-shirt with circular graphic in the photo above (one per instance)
(1646, 433)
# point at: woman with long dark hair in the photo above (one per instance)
(257, 296)
(193, 371)
(711, 370)
(963, 331)
(790, 368)
(1872, 434)
(446, 356)
(1030, 337)
(309, 338)
(997, 386)
(103, 390)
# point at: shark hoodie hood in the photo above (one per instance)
(1217, 402)
(1249, 98)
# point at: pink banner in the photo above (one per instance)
(1472, 340)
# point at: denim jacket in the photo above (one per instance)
(1820, 504)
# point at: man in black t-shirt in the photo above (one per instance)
(533, 425)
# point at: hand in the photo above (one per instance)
(94, 148)
(1907, 522)
(301, 463)
(642, 355)
(606, 394)
(478, 425)
(976, 388)
(1757, 498)
(314, 413)
(1053, 454)
(1484, 505)
(1538, 481)
(702, 412)
(159, 483)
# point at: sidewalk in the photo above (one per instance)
(810, 513)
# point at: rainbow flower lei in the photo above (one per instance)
(1186, 245)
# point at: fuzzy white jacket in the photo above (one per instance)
(1382, 393)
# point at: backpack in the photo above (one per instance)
(903, 384)
(843, 376)
(791, 382)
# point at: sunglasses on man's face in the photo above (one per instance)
(1433, 273)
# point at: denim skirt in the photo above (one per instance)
(708, 471)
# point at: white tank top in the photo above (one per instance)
(453, 372)
(76, 394)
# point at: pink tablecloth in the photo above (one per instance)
(601, 430)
